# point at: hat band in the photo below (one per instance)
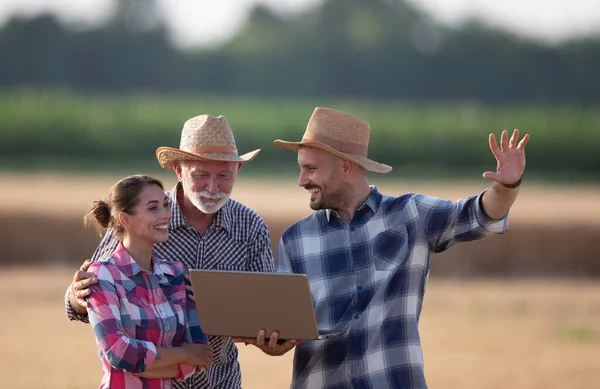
(344, 147)
(214, 149)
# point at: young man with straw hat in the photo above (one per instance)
(367, 255)
(208, 231)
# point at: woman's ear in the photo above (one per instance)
(124, 219)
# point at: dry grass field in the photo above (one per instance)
(492, 333)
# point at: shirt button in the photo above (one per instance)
(167, 328)
(351, 228)
(360, 287)
(356, 316)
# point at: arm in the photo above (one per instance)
(193, 334)
(78, 290)
(119, 350)
(498, 199)
(446, 223)
(510, 158)
(261, 256)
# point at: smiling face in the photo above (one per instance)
(320, 174)
(207, 184)
(149, 219)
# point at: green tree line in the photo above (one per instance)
(53, 129)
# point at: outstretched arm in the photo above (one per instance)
(510, 158)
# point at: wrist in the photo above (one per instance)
(514, 185)
(186, 355)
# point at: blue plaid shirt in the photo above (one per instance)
(367, 278)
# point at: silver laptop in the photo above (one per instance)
(240, 304)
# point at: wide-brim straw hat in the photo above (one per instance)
(338, 133)
(204, 138)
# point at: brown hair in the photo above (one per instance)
(123, 197)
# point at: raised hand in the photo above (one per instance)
(510, 158)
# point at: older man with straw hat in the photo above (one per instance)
(208, 231)
(367, 255)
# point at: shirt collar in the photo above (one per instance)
(222, 217)
(372, 202)
(130, 267)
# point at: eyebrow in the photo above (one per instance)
(151, 201)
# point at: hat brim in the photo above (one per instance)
(365, 162)
(168, 155)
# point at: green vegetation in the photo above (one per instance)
(57, 129)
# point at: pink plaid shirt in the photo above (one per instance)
(133, 312)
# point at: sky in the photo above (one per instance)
(210, 22)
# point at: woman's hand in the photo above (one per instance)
(198, 354)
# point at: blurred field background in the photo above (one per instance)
(83, 104)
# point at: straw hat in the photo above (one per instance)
(204, 138)
(338, 133)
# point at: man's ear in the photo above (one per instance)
(177, 169)
(347, 167)
(239, 166)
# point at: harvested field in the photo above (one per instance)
(476, 334)
(553, 231)
(504, 325)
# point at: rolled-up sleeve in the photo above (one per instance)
(119, 350)
(446, 223)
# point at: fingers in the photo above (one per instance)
(505, 144)
(80, 288)
(260, 339)
(494, 146)
(523, 142)
(82, 274)
(80, 296)
(273, 341)
(504, 140)
(86, 265)
(491, 176)
(190, 293)
(513, 139)
(84, 282)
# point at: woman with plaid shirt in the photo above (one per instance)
(147, 329)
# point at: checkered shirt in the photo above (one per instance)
(237, 239)
(368, 278)
(133, 312)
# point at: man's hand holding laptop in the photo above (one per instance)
(272, 346)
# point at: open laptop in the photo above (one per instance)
(240, 304)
